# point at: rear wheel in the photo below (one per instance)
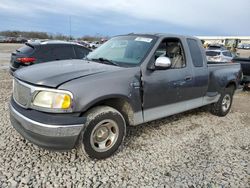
(223, 106)
(104, 132)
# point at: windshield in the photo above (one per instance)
(123, 50)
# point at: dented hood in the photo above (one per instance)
(55, 73)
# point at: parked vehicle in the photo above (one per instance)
(2, 39)
(216, 47)
(11, 40)
(94, 44)
(129, 80)
(245, 65)
(247, 46)
(40, 52)
(83, 43)
(243, 46)
(21, 40)
(222, 56)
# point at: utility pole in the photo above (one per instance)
(69, 27)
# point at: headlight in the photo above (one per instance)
(53, 100)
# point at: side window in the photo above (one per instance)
(45, 54)
(228, 54)
(172, 48)
(80, 52)
(63, 52)
(195, 52)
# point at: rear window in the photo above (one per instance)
(212, 53)
(25, 49)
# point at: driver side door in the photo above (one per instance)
(162, 89)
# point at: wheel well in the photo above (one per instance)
(122, 105)
(231, 84)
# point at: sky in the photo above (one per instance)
(113, 17)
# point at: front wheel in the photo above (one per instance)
(223, 106)
(104, 132)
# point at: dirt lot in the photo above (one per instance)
(5, 53)
(243, 53)
(192, 149)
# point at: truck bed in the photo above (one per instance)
(220, 75)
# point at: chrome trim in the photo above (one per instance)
(163, 62)
(34, 90)
(15, 84)
(46, 129)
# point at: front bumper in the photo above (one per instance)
(46, 130)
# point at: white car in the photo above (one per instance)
(223, 56)
(94, 44)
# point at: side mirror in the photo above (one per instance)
(163, 63)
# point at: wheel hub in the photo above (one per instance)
(226, 102)
(104, 135)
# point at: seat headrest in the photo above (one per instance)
(173, 49)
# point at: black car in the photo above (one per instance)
(39, 52)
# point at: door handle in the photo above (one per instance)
(188, 78)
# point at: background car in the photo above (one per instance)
(243, 46)
(2, 39)
(247, 46)
(10, 40)
(94, 44)
(21, 40)
(216, 47)
(39, 52)
(219, 56)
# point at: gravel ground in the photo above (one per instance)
(5, 53)
(192, 149)
(243, 53)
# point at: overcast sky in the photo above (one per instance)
(112, 17)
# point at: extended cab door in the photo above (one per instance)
(164, 90)
(200, 72)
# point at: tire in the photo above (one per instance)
(104, 132)
(246, 87)
(223, 106)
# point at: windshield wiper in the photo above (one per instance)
(106, 61)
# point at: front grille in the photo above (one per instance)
(21, 94)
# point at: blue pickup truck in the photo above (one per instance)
(129, 80)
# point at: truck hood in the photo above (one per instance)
(55, 73)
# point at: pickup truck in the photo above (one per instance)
(245, 66)
(129, 80)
